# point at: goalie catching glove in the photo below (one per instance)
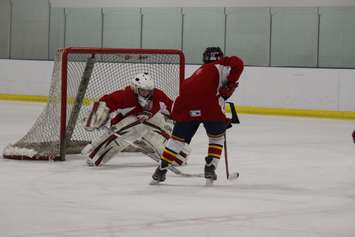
(98, 116)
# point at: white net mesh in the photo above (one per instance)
(111, 71)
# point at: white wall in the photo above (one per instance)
(200, 3)
(25, 77)
(302, 88)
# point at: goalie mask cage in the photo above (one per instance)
(81, 76)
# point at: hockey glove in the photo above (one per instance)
(98, 116)
(228, 123)
(227, 90)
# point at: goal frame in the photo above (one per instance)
(64, 125)
(93, 51)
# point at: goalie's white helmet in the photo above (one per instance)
(143, 86)
(142, 82)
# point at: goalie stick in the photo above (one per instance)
(153, 155)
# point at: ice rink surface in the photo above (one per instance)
(297, 179)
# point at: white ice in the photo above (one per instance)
(297, 179)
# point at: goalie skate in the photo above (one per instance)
(89, 162)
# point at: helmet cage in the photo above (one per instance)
(212, 54)
(145, 93)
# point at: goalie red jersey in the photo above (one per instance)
(125, 102)
(201, 97)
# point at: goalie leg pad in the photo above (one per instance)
(155, 133)
(156, 140)
(101, 151)
(130, 128)
(161, 123)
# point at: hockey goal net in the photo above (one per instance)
(81, 76)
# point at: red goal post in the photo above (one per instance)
(81, 76)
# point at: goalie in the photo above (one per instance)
(139, 116)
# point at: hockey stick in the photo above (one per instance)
(173, 168)
(226, 155)
(233, 120)
(233, 175)
(153, 155)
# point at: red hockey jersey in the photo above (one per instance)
(123, 103)
(199, 99)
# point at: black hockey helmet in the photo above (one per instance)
(212, 54)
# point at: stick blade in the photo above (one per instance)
(233, 176)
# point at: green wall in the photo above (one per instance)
(262, 36)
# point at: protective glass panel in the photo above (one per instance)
(5, 20)
(29, 39)
(122, 28)
(203, 27)
(248, 34)
(337, 37)
(294, 37)
(57, 30)
(83, 27)
(162, 28)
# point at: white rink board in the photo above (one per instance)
(301, 88)
(25, 77)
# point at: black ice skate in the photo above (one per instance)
(210, 170)
(159, 175)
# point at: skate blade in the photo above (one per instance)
(209, 182)
(90, 163)
(154, 182)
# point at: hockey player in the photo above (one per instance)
(139, 116)
(202, 100)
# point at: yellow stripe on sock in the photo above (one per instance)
(170, 152)
(216, 147)
(214, 155)
(167, 160)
